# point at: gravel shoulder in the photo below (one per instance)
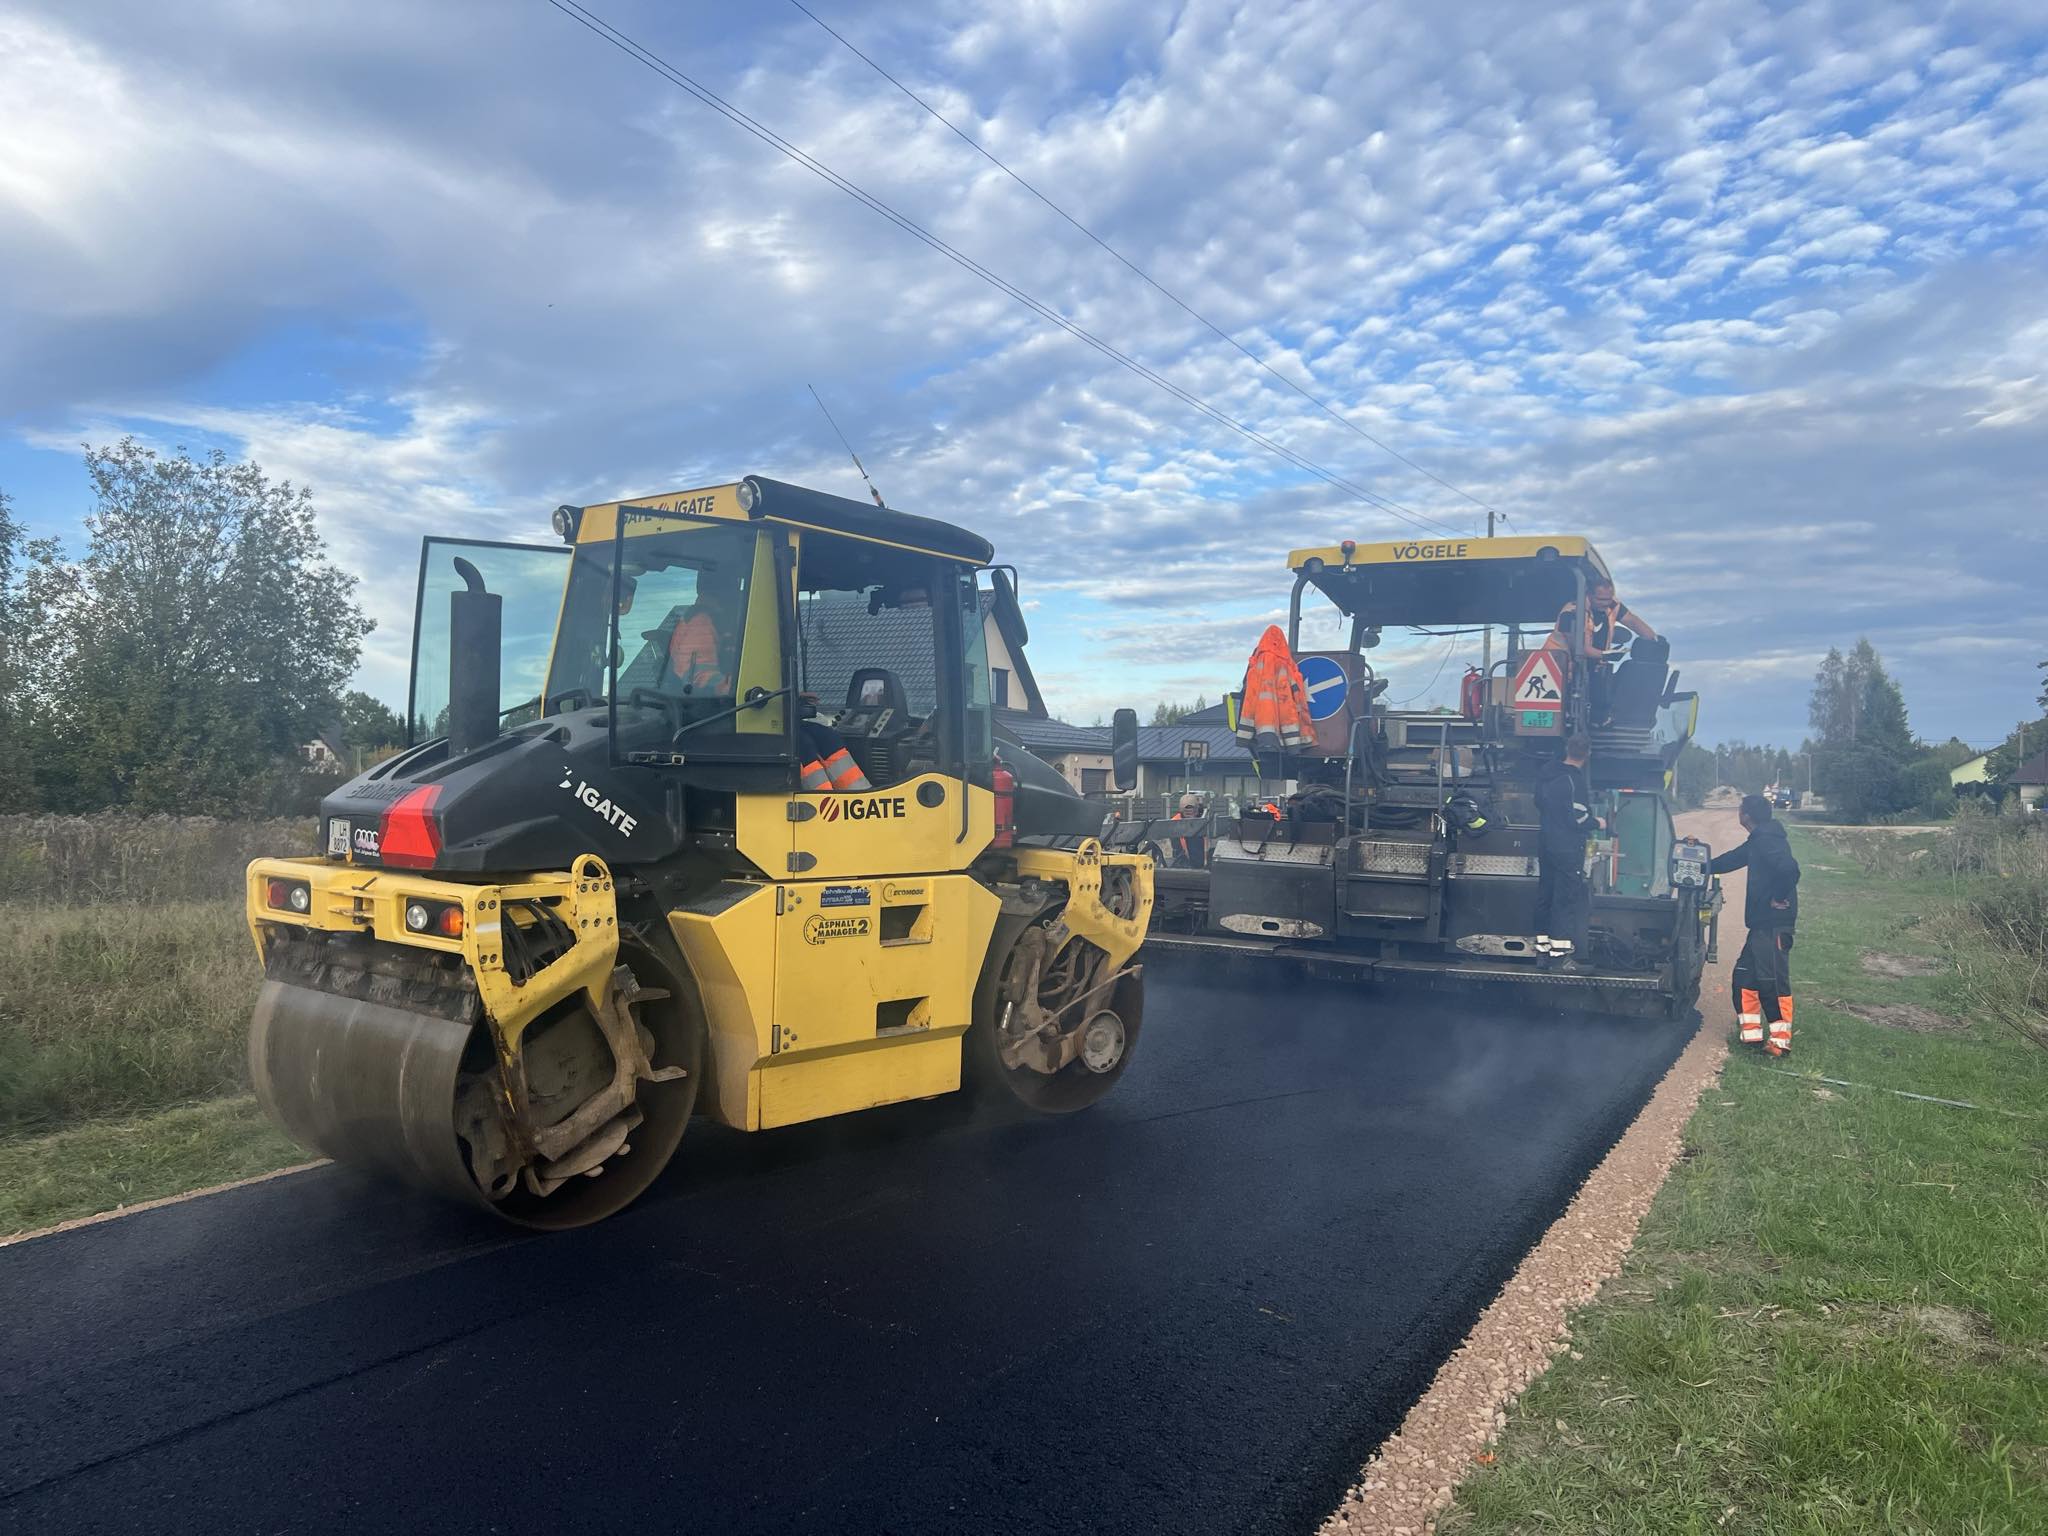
(1447, 1434)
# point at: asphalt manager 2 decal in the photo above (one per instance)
(820, 929)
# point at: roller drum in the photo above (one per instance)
(366, 1084)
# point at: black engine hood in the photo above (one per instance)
(534, 798)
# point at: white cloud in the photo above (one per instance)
(1651, 273)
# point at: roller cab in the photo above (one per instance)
(702, 814)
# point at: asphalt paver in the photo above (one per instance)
(1198, 1305)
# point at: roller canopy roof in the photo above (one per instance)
(1453, 581)
(758, 498)
(785, 503)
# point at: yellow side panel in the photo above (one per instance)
(874, 986)
(730, 945)
(815, 1087)
(908, 828)
(856, 994)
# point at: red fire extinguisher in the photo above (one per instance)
(1004, 783)
(1472, 694)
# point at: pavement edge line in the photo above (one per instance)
(1412, 1477)
(157, 1204)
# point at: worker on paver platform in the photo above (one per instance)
(1770, 906)
(1564, 902)
(1601, 630)
(1606, 617)
(1191, 850)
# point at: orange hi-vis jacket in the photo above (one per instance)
(693, 653)
(1274, 714)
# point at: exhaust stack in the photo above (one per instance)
(476, 627)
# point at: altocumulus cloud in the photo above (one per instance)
(1750, 296)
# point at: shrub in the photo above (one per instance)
(74, 860)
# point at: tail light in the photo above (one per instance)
(290, 896)
(411, 837)
(1005, 784)
(444, 918)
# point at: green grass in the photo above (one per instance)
(1836, 1315)
(122, 1068)
(109, 1163)
(120, 1008)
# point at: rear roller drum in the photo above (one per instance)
(1053, 1029)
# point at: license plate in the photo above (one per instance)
(337, 838)
(1539, 719)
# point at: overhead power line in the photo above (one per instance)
(596, 24)
(1186, 308)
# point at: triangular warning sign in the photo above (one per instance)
(1539, 681)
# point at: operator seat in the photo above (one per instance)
(877, 724)
(1638, 686)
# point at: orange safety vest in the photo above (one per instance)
(1600, 628)
(1274, 714)
(693, 653)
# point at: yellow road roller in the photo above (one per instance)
(703, 811)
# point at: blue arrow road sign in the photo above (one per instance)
(1327, 686)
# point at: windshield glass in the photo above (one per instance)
(681, 615)
(529, 579)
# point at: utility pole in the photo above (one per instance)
(1486, 637)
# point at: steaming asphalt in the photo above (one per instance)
(1199, 1305)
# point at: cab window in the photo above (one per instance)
(868, 626)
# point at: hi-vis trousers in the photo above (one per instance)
(1763, 989)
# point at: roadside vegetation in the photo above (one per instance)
(1834, 1318)
(124, 1007)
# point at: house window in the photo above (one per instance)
(1192, 749)
(1094, 781)
(999, 686)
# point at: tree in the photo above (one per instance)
(1172, 714)
(2026, 741)
(1863, 741)
(1694, 775)
(370, 727)
(17, 756)
(201, 639)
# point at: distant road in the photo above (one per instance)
(1196, 1307)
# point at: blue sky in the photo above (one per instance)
(1751, 294)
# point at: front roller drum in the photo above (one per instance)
(395, 1092)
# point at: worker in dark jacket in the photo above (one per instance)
(1564, 813)
(1770, 907)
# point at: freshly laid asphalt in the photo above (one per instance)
(1197, 1306)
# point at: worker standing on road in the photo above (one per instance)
(1564, 810)
(1770, 906)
